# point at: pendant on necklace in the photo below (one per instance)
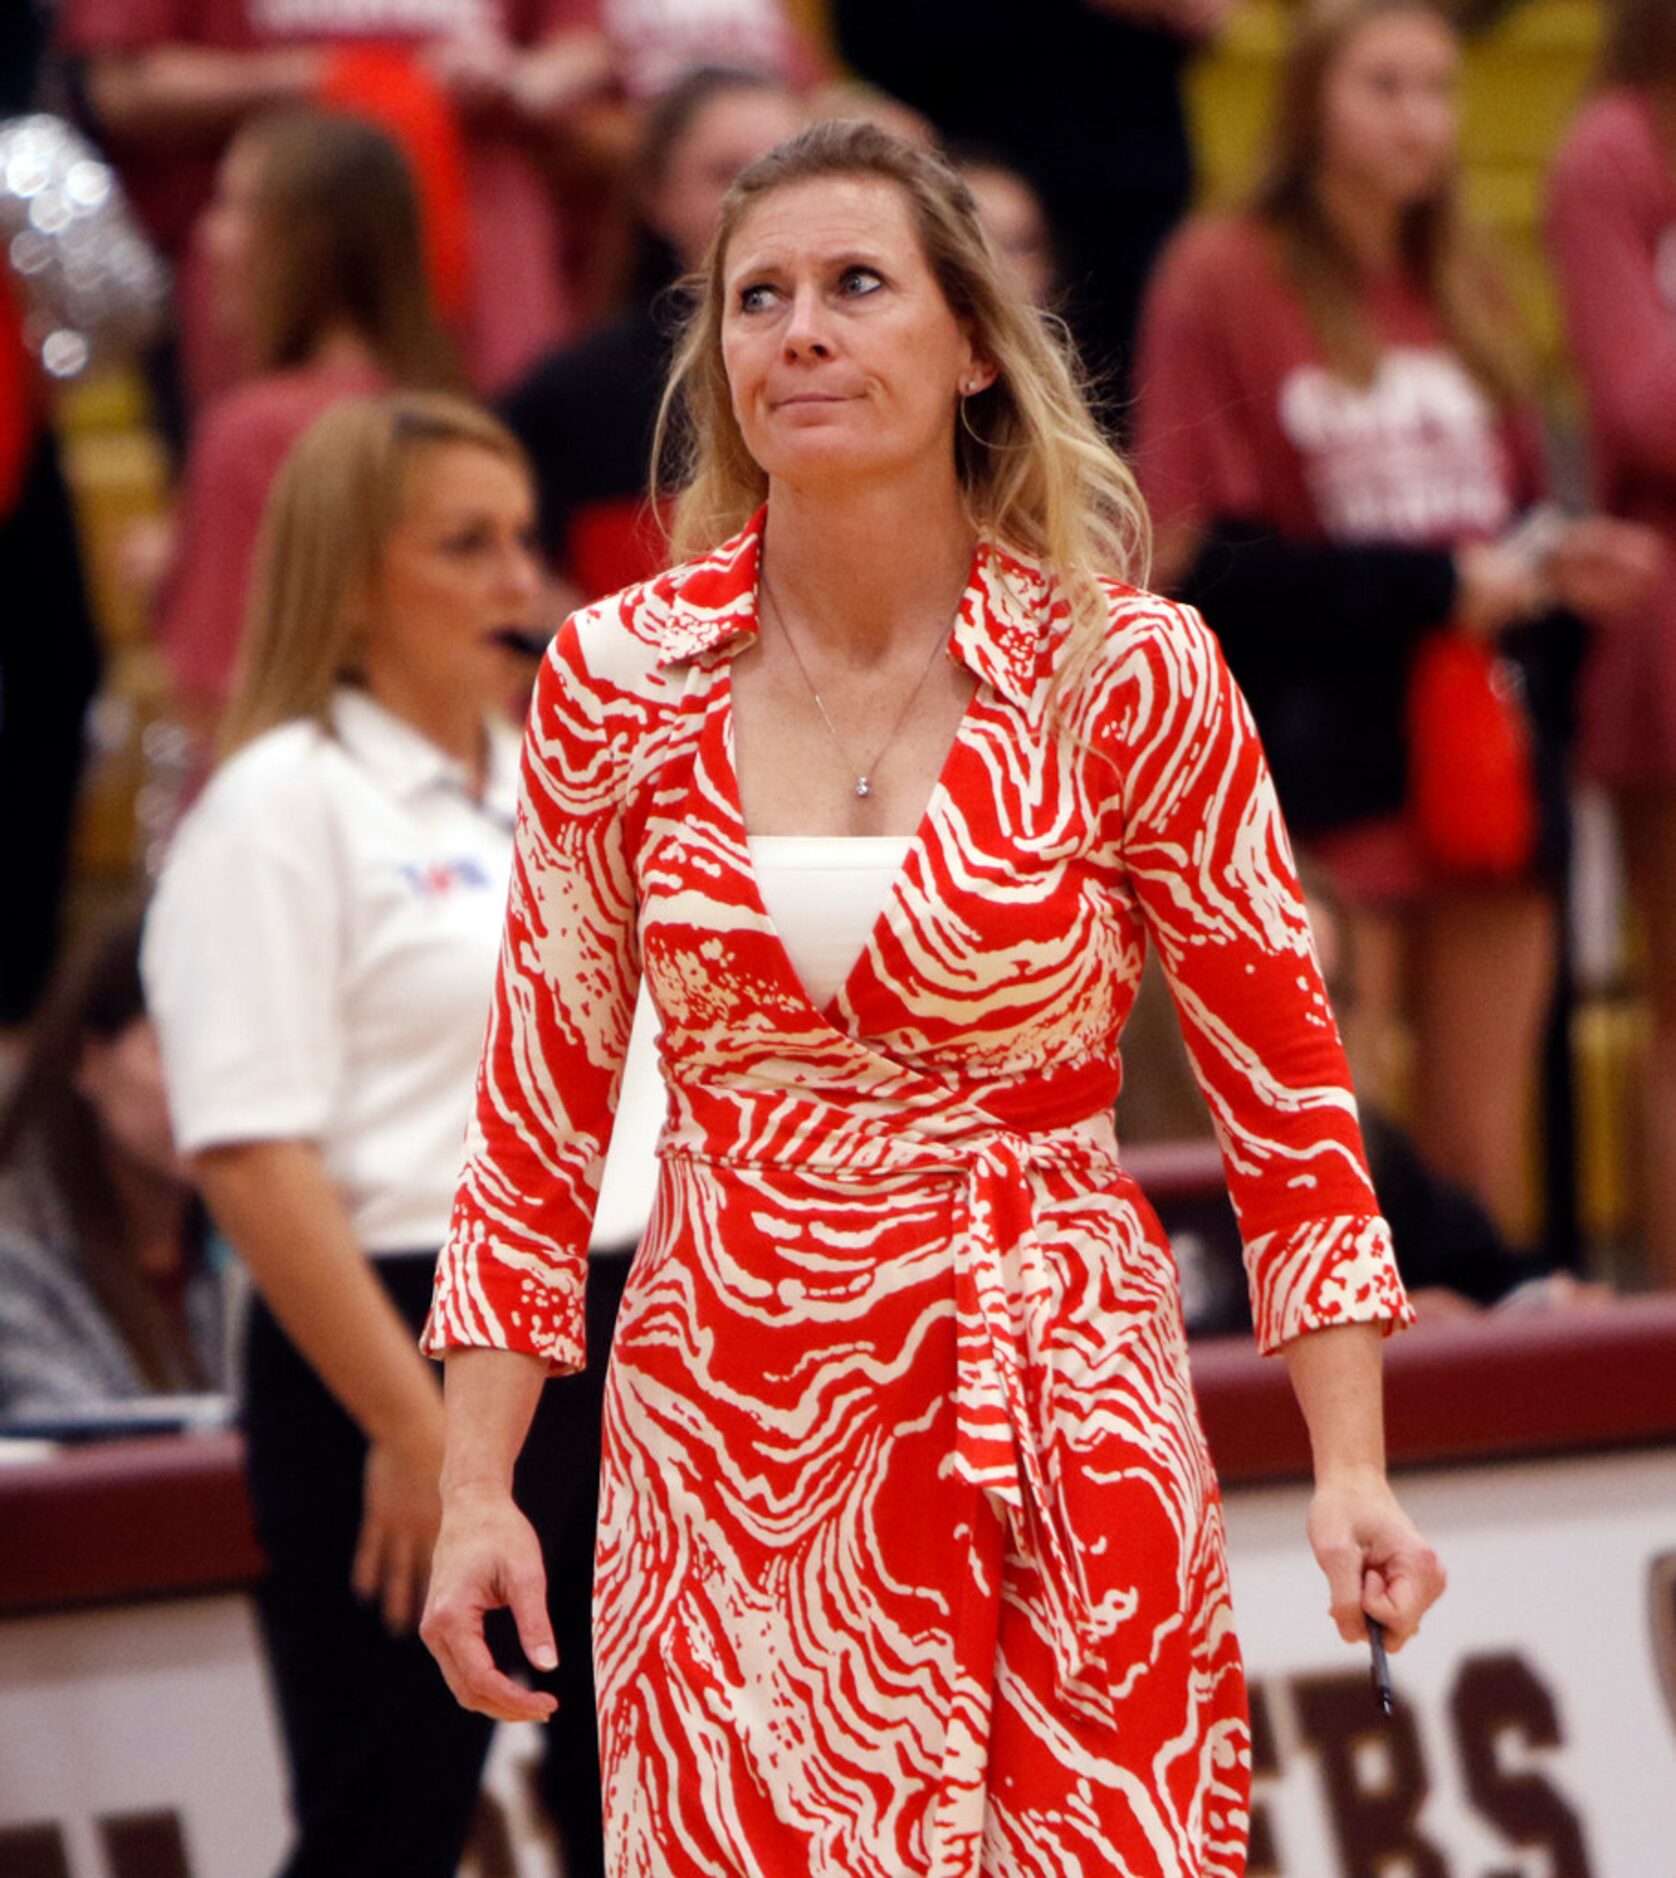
(863, 787)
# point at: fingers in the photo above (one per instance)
(1342, 1563)
(489, 1558)
(455, 1639)
(1604, 566)
(1376, 1562)
(1401, 1592)
(528, 1598)
(391, 1568)
(366, 1574)
(401, 1568)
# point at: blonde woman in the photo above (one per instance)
(1336, 438)
(318, 962)
(316, 248)
(910, 1553)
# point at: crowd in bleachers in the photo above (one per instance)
(1338, 412)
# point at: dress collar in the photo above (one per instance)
(409, 764)
(998, 632)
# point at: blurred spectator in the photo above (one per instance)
(319, 957)
(169, 81)
(105, 1293)
(654, 46)
(321, 953)
(657, 44)
(1612, 227)
(1335, 440)
(855, 98)
(314, 236)
(1083, 97)
(1013, 218)
(586, 415)
(49, 649)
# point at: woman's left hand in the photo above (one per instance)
(1605, 569)
(1376, 1561)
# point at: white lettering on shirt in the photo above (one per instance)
(1414, 456)
(405, 19)
(658, 41)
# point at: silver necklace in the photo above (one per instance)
(863, 776)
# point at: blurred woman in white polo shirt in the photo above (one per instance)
(319, 960)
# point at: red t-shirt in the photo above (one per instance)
(519, 305)
(1239, 417)
(240, 445)
(1612, 227)
(1612, 230)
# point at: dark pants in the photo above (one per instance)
(384, 1763)
(385, 1766)
(557, 1485)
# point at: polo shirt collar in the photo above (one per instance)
(409, 764)
(997, 635)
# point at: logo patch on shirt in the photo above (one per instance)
(437, 879)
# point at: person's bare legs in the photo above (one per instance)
(1482, 981)
(1647, 820)
(1367, 989)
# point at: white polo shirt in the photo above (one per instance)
(320, 956)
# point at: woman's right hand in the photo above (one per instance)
(488, 1557)
(1496, 588)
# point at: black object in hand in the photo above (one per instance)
(1383, 1693)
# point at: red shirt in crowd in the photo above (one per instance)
(1612, 231)
(244, 438)
(518, 301)
(1240, 417)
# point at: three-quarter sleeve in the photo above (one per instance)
(1207, 859)
(512, 1273)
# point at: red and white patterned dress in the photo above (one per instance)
(910, 1557)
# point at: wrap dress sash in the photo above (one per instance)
(997, 1450)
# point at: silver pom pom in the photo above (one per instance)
(90, 285)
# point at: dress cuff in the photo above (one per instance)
(1321, 1273)
(483, 1301)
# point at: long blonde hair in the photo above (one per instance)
(1440, 252)
(1035, 470)
(327, 520)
